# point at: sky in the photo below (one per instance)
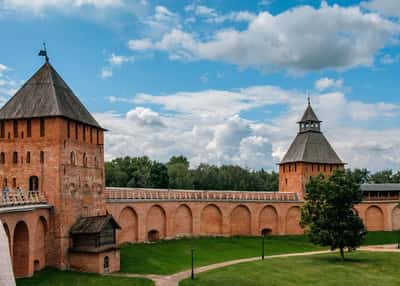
(220, 82)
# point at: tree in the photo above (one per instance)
(328, 214)
(179, 173)
(159, 175)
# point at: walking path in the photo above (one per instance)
(174, 279)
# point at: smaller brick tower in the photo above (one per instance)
(309, 155)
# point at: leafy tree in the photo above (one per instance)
(179, 174)
(361, 176)
(159, 175)
(328, 214)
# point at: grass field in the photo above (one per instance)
(52, 277)
(166, 257)
(359, 269)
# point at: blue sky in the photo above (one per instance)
(221, 82)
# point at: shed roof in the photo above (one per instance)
(93, 224)
(46, 94)
(380, 187)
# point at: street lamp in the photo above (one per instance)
(192, 252)
(263, 246)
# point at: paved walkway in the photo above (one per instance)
(174, 279)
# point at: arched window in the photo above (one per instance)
(15, 157)
(72, 158)
(84, 160)
(41, 157)
(33, 183)
(28, 157)
(2, 158)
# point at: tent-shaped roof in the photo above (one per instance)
(311, 147)
(309, 115)
(46, 94)
(93, 224)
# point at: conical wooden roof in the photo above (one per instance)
(310, 145)
(46, 94)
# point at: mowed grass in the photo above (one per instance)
(171, 256)
(359, 268)
(52, 277)
(167, 257)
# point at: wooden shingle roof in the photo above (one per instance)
(310, 145)
(46, 94)
(93, 224)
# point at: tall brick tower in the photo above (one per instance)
(51, 144)
(309, 155)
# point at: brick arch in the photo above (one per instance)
(396, 218)
(268, 220)
(374, 218)
(40, 250)
(183, 223)
(211, 220)
(293, 221)
(240, 220)
(156, 222)
(21, 250)
(128, 222)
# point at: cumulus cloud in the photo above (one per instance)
(8, 86)
(385, 7)
(39, 6)
(209, 126)
(300, 39)
(326, 83)
(118, 60)
(145, 117)
(106, 72)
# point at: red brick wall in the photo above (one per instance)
(294, 176)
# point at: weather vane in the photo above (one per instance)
(43, 53)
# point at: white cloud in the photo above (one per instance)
(3, 68)
(38, 6)
(106, 72)
(326, 83)
(300, 39)
(207, 126)
(385, 7)
(8, 86)
(145, 117)
(140, 45)
(118, 60)
(388, 59)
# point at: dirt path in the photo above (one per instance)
(174, 279)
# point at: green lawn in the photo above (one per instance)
(52, 277)
(360, 268)
(166, 257)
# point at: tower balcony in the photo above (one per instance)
(14, 198)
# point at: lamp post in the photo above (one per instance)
(263, 246)
(192, 252)
(398, 239)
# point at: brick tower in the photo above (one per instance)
(309, 155)
(52, 145)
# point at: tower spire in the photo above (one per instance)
(43, 53)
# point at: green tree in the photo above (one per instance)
(159, 175)
(382, 177)
(328, 215)
(179, 174)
